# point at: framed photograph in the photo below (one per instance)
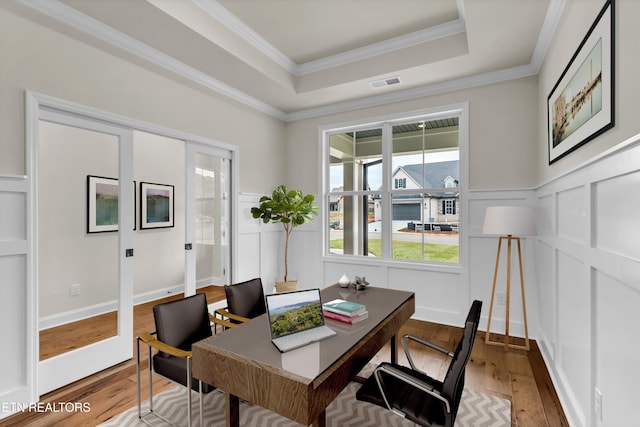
(156, 205)
(102, 204)
(581, 104)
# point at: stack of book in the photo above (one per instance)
(345, 311)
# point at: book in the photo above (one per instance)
(346, 319)
(346, 308)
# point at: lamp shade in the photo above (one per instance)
(509, 220)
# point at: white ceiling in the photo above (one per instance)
(302, 58)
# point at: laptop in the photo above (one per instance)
(296, 319)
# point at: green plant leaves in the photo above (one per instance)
(289, 207)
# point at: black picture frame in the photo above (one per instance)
(581, 105)
(102, 204)
(157, 205)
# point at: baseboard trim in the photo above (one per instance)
(60, 319)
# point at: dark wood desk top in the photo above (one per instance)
(299, 384)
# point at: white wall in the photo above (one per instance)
(587, 254)
(588, 263)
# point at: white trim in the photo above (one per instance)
(228, 19)
(86, 24)
(224, 16)
(60, 319)
(397, 43)
(549, 25)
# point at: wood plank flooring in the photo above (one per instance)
(516, 375)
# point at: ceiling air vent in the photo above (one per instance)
(389, 81)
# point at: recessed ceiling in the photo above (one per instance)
(304, 58)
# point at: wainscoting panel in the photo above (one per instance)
(546, 290)
(249, 259)
(259, 246)
(574, 337)
(617, 369)
(18, 365)
(588, 265)
(615, 200)
(572, 222)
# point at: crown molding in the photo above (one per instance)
(413, 93)
(376, 49)
(224, 16)
(228, 19)
(549, 25)
(95, 28)
(75, 19)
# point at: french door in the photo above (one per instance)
(84, 266)
(207, 216)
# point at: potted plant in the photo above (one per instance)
(290, 208)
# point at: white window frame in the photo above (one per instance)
(461, 111)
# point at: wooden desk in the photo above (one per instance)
(300, 384)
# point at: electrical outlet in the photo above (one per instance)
(501, 299)
(597, 403)
(74, 290)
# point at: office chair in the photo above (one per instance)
(415, 395)
(179, 324)
(245, 301)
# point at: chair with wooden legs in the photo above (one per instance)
(179, 324)
(245, 301)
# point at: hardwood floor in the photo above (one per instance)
(516, 375)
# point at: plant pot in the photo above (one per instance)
(291, 285)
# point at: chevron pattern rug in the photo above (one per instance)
(476, 410)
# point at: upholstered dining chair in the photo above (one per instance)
(245, 301)
(417, 396)
(179, 324)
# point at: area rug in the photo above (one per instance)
(476, 410)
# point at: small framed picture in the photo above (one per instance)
(156, 205)
(102, 204)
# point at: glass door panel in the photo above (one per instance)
(208, 217)
(81, 279)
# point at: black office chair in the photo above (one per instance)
(244, 301)
(415, 395)
(179, 324)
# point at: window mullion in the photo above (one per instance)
(387, 171)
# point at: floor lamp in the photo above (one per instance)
(509, 222)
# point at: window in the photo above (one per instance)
(393, 189)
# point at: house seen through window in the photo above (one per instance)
(393, 190)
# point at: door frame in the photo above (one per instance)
(35, 103)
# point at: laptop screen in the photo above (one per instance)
(291, 312)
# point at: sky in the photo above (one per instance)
(292, 298)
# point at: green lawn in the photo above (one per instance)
(411, 250)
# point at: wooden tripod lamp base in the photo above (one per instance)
(507, 344)
(507, 222)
